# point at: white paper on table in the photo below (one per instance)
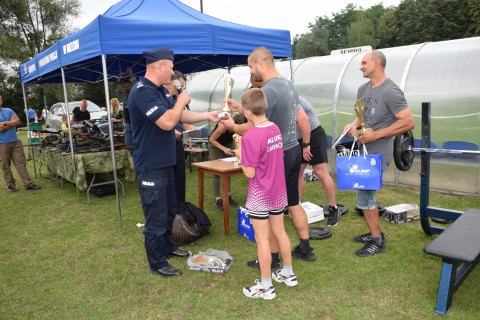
(197, 128)
(341, 137)
(229, 159)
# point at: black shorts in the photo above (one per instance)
(318, 147)
(292, 161)
(264, 215)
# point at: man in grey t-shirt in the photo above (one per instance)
(386, 115)
(283, 110)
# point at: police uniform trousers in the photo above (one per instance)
(179, 173)
(157, 193)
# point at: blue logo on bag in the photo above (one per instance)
(245, 224)
(357, 186)
(354, 169)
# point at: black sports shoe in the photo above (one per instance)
(179, 253)
(167, 271)
(219, 205)
(366, 237)
(12, 189)
(333, 216)
(232, 202)
(370, 248)
(256, 264)
(32, 187)
(308, 255)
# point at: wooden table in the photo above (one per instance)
(220, 168)
(192, 151)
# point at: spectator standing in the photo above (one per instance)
(31, 114)
(386, 115)
(40, 118)
(116, 114)
(44, 114)
(221, 145)
(123, 91)
(319, 162)
(11, 150)
(81, 114)
(179, 167)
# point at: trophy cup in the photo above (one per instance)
(359, 108)
(228, 82)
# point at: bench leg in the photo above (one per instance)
(446, 289)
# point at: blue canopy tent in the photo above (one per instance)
(199, 42)
(115, 40)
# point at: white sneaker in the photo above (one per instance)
(258, 291)
(290, 281)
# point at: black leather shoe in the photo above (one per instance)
(179, 253)
(167, 271)
(32, 187)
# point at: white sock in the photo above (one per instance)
(288, 271)
(267, 282)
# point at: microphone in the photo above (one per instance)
(178, 86)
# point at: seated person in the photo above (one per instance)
(221, 145)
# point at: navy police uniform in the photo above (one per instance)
(154, 157)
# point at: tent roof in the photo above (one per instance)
(199, 42)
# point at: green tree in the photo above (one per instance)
(434, 20)
(474, 10)
(361, 33)
(325, 34)
(338, 28)
(311, 44)
(27, 27)
(387, 29)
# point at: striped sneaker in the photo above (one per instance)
(258, 291)
(290, 281)
(370, 248)
(366, 237)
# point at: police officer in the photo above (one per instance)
(153, 121)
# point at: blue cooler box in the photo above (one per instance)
(245, 227)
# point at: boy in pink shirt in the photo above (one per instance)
(261, 155)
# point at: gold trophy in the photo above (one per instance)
(359, 108)
(228, 86)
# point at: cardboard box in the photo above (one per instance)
(245, 227)
(314, 212)
(212, 260)
(401, 213)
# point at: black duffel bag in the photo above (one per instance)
(191, 223)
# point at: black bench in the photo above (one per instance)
(459, 248)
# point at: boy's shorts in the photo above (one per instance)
(264, 214)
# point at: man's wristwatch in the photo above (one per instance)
(305, 144)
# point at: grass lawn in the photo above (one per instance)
(61, 258)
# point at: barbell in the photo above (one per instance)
(403, 151)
